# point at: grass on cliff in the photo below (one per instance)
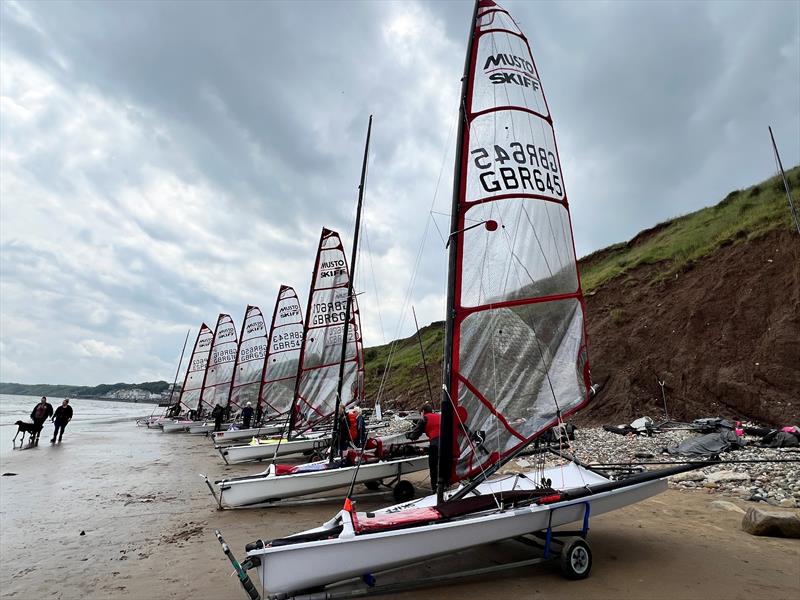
(670, 246)
(675, 244)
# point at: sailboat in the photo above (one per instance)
(331, 362)
(515, 362)
(219, 372)
(273, 386)
(315, 385)
(193, 382)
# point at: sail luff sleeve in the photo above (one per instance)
(196, 369)
(519, 346)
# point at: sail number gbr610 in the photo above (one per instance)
(523, 168)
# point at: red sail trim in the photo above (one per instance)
(465, 311)
(490, 406)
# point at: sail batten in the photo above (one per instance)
(517, 359)
(285, 341)
(323, 339)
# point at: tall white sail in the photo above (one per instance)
(249, 365)
(283, 359)
(195, 372)
(217, 383)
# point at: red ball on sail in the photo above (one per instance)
(491, 225)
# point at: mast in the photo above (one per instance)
(422, 352)
(446, 440)
(785, 182)
(349, 305)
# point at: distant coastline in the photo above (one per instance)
(151, 392)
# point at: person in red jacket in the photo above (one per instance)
(429, 425)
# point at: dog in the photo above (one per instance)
(30, 428)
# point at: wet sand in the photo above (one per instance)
(149, 525)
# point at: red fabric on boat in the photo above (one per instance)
(383, 522)
(285, 469)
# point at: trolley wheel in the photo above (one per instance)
(372, 485)
(403, 491)
(576, 558)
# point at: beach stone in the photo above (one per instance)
(726, 476)
(688, 476)
(773, 523)
(724, 505)
(787, 503)
(710, 485)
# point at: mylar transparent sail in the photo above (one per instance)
(195, 372)
(249, 360)
(285, 342)
(320, 358)
(217, 384)
(519, 357)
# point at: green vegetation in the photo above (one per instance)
(675, 245)
(667, 249)
(64, 391)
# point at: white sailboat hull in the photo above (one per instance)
(205, 427)
(270, 487)
(246, 453)
(293, 568)
(176, 426)
(245, 434)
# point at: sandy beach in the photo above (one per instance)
(149, 521)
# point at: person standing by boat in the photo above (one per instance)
(429, 425)
(247, 415)
(343, 430)
(218, 413)
(357, 427)
(62, 416)
(40, 413)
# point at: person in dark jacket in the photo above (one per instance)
(40, 413)
(247, 415)
(343, 430)
(218, 413)
(62, 416)
(429, 425)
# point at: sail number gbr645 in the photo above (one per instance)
(522, 168)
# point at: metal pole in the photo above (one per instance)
(349, 304)
(422, 352)
(785, 182)
(446, 432)
(177, 371)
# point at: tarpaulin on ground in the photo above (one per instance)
(709, 444)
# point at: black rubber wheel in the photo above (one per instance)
(576, 558)
(372, 485)
(403, 491)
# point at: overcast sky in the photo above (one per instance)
(164, 162)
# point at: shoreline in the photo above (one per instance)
(149, 525)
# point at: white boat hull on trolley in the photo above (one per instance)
(221, 437)
(350, 555)
(269, 487)
(267, 449)
(176, 426)
(204, 427)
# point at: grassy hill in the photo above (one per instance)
(651, 260)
